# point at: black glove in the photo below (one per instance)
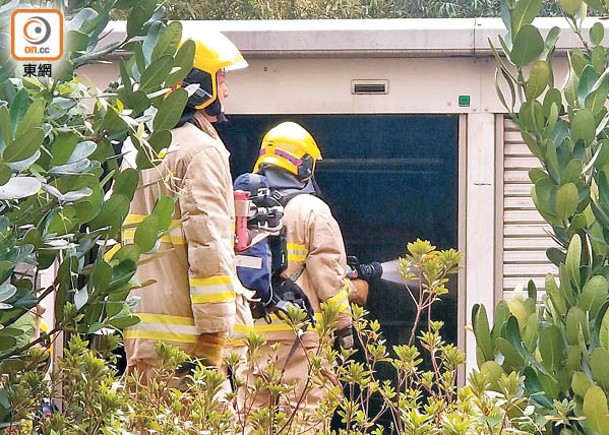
(367, 271)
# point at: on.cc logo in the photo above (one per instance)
(37, 34)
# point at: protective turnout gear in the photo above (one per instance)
(191, 302)
(316, 262)
(291, 147)
(213, 52)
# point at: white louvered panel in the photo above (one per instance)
(527, 243)
(512, 190)
(520, 257)
(518, 150)
(525, 233)
(522, 217)
(516, 176)
(520, 162)
(518, 202)
(526, 230)
(526, 270)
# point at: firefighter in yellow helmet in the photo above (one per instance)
(195, 294)
(316, 261)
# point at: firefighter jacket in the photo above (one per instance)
(316, 254)
(191, 302)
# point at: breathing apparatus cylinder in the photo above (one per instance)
(242, 208)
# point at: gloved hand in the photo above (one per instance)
(359, 293)
(210, 347)
(367, 271)
(343, 338)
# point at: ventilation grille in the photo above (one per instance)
(370, 87)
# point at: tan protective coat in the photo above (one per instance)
(191, 303)
(315, 242)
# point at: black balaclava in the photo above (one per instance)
(286, 183)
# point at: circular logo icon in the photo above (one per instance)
(36, 30)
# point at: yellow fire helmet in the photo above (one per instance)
(213, 52)
(291, 147)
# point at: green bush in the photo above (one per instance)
(59, 150)
(561, 348)
(424, 401)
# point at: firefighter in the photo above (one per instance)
(193, 300)
(316, 262)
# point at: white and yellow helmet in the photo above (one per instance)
(213, 52)
(291, 147)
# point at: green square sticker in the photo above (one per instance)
(464, 100)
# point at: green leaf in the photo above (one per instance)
(599, 361)
(18, 108)
(19, 187)
(7, 291)
(539, 79)
(169, 40)
(596, 410)
(524, 13)
(492, 373)
(482, 331)
(571, 7)
(580, 383)
(123, 321)
(147, 233)
(570, 88)
(33, 117)
(183, 61)
(587, 80)
(163, 210)
(126, 183)
(5, 125)
(135, 22)
(552, 97)
(151, 40)
(597, 33)
(513, 359)
(112, 214)
(170, 111)
(551, 347)
(594, 294)
(24, 146)
(603, 334)
(156, 73)
(528, 45)
(583, 126)
(597, 5)
(598, 95)
(76, 42)
(575, 321)
(122, 273)
(566, 201)
(160, 140)
(101, 276)
(574, 253)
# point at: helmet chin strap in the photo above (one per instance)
(215, 109)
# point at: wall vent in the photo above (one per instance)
(369, 87)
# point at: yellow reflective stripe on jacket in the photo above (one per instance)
(174, 235)
(214, 289)
(277, 324)
(340, 300)
(297, 252)
(163, 327)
